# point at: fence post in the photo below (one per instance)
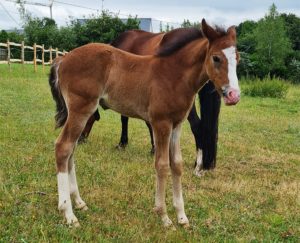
(43, 57)
(8, 55)
(50, 54)
(34, 57)
(56, 52)
(22, 53)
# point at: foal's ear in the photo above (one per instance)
(232, 32)
(209, 32)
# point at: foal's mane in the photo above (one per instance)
(178, 38)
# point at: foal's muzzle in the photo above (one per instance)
(231, 95)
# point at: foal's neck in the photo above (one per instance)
(191, 59)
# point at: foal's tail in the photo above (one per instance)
(61, 108)
(210, 102)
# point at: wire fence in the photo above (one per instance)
(36, 54)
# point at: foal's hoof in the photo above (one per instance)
(184, 222)
(83, 208)
(72, 221)
(81, 205)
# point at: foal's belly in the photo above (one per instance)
(129, 108)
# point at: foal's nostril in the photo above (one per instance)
(231, 94)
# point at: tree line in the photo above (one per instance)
(268, 47)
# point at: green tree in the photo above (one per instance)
(246, 46)
(273, 45)
(187, 24)
(41, 31)
(292, 23)
(103, 28)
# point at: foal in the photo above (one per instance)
(158, 89)
(205, 130)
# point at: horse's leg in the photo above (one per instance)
(176, 169)
(195, 124)
(162, 133)
(151, 137)
(88, 127)
(210, 103)
(124, 134)
(79, 203)
(64, 148)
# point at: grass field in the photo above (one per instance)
(252, 196)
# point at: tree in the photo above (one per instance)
(292, 23)
(41, 31)
(103, 28)
(273, 45)
(187, 24)
(246, 46)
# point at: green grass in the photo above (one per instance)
(268, 87)
(252, 196)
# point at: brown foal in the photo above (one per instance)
(158, 89)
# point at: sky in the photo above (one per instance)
(221, 12)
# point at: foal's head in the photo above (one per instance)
(221, 61)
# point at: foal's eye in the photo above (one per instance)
(216, 59)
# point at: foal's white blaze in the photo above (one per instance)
(230, 54)
(197, 170)
(64, 199)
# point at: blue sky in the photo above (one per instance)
(224, 12)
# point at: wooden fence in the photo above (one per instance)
(34, 49)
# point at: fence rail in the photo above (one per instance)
(34, 48)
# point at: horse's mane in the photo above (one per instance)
(119, 40)
(178, 38)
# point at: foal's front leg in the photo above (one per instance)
(162, 133)
(176, 169)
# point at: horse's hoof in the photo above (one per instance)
(82, 139)
(121, 146)
(152, 151)
(198, 173)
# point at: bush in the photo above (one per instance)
(275, 88)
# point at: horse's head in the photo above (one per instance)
(221, 61)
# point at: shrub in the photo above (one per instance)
(275, 88)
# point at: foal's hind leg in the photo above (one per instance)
(64, 148)
(151, 137)
(162, 132)
(176, 169)
(79, 203)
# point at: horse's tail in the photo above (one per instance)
(210, 102)
(61, 108)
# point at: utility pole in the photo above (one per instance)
(102, 7)
(51, 4)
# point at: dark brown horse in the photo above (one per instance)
(158, 89)
(205, 130)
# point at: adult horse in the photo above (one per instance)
(205, 130)
(158, 89)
